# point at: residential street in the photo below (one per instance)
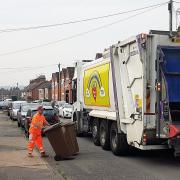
(90, 90)
(92, 163)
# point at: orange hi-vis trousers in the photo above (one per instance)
(35, 139)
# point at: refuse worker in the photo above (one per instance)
(35, 131)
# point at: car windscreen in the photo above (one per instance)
(61, 103)
(16, 105)
(68, 106)
(25, 108)
(46, 103)
(34, 112)
(48, 112)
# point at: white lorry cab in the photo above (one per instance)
(131, 95)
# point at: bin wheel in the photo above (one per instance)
(57, 158)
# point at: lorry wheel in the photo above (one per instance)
(118, 141)
(104, 136)
(95, 133)
(78, 133)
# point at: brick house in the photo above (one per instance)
(62, 80)
(66, 84)
(45, 91)
(55, 86)
(32, 92)
(62, 90)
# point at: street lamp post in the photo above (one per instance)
(59, 85)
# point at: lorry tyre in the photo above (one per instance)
(118, 141)
(104, 135)
(95, 133)
(78, 133)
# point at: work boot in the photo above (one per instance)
(30, 155)
(43, 154)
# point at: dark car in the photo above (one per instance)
(49, 114)
(21, 115)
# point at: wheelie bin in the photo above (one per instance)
(62, 138)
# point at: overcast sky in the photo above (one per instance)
(23, 13)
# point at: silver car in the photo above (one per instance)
(15, 106)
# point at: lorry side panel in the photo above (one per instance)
(97, 86)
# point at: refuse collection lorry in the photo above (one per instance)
(131, 95)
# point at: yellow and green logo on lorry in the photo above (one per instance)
(96, 86)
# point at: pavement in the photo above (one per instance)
(14, 162)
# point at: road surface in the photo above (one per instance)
(93, 163)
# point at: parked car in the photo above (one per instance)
(49, 114)
(66, 111)
(21, 115)
(6, 104)
(45, 103)
(9, 108)
(58, 105)
(37, 101)
(15, 106)
(1, 104)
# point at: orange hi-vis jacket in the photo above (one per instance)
(38, 122)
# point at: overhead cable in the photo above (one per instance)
(27, 67)
(78, 21)
(79, 34)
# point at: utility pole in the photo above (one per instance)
(2, 94)
(17, 91)
(59, 85)
(170, 8)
